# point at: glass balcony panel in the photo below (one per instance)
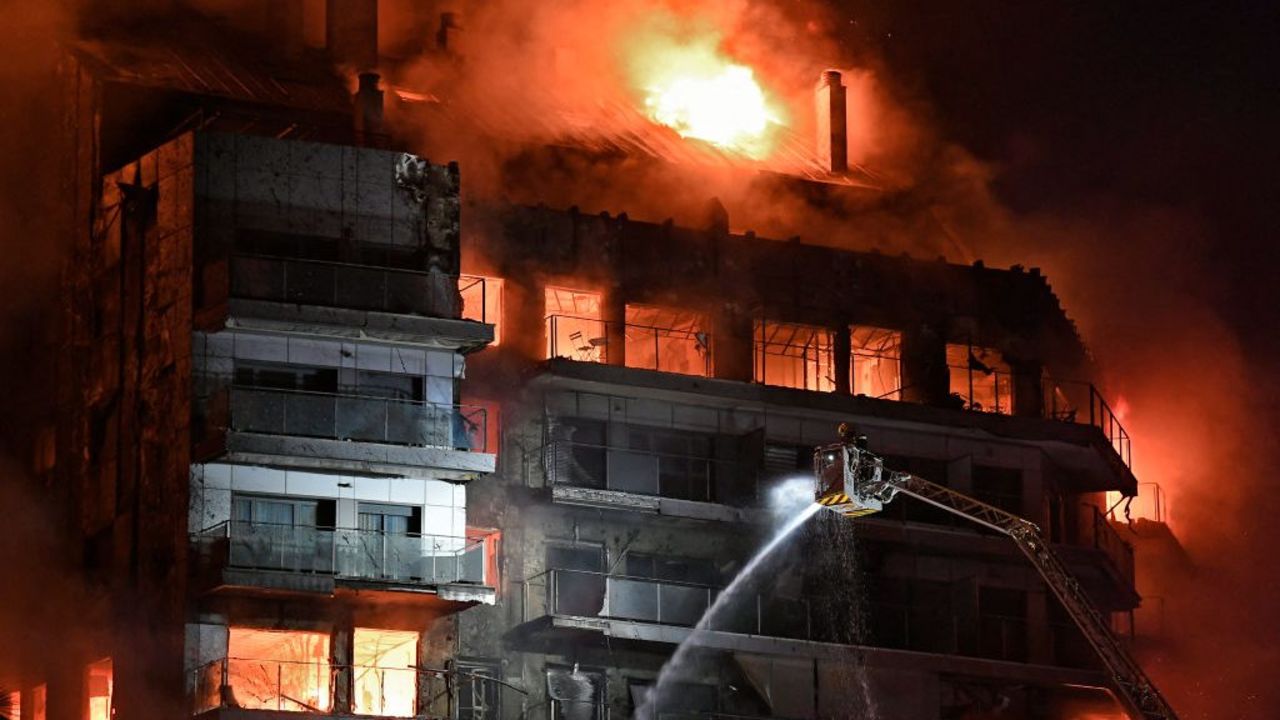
(632, 599)
(633, 472)
(311, 415)
(681, 604)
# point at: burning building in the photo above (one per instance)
(341, 433)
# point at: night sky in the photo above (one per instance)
(1090, 103)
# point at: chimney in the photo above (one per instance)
(368, 107)
(351, 33)
(833, 139)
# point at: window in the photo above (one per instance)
(667, 340)
(999, 487)
(794, 356)
(876, 362)
(678, 569)
(478, 692)
(278, 670)
(578, 579)
(980, 378)
(394, 386)
(1002, 632)
(679, 700)
(385, 681)
(576, 694)
(574, 326)
(99, 677)
(482, 301)
(286, 377)
(282, 534)
(282, 511)
(685, 469)
(11, 705)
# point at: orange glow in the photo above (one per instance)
(482, 302)
(385, 680)
(101, 680)
(574, 326)
(279, 669)
(694, 88)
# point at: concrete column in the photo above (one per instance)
(842, 348)
(925, 378)
(342, 654)
(732, 345)
(1028, 389)
(614, 314)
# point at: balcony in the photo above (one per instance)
(580, 599)
(334, 430)
(341, 285)
(683, 350)
(314, 559)
(665, 483)
(1066, 401)
(1100, 559)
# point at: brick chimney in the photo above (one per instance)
(833, 138)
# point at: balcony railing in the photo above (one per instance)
(982, 391)
(343, 285)
(665, 602)
(1093, 530)
(1080, 402)
(345, 553)
(683, 477)
(686, 351)
(258, 684)
(358, 418)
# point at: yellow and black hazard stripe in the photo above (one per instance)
(835, 499)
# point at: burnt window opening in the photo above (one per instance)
(482, 302)
(577, 578)
(576, 693)
(794, 356)
(384, 672)
(667, 340)
(980, 378)
(100, 690)
(281, 670)
(479, 694)
(575, 452)
(876, 362)
(575, 325)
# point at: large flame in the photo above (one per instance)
(698, 91)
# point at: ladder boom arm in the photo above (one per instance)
(867, 483)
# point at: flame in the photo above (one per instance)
(701, 93)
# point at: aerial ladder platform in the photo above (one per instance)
(854, 482)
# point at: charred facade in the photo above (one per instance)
(336, 435)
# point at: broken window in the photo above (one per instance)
(981, 378)
(100, 678)
(794, 356)
(668, 340)
(876, 362)
(478, 690)
(278, 670)
(575, 329)
(384, 677)
(482, 301)
(576, 694)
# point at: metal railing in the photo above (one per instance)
(644, 472)
(1092, 529)
(686, 351)
(344, 285)
(359, 418)
(1080, 402)
(665, 602)
(258, 684)
(906, 627)
(475, 292)
(342, 552)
